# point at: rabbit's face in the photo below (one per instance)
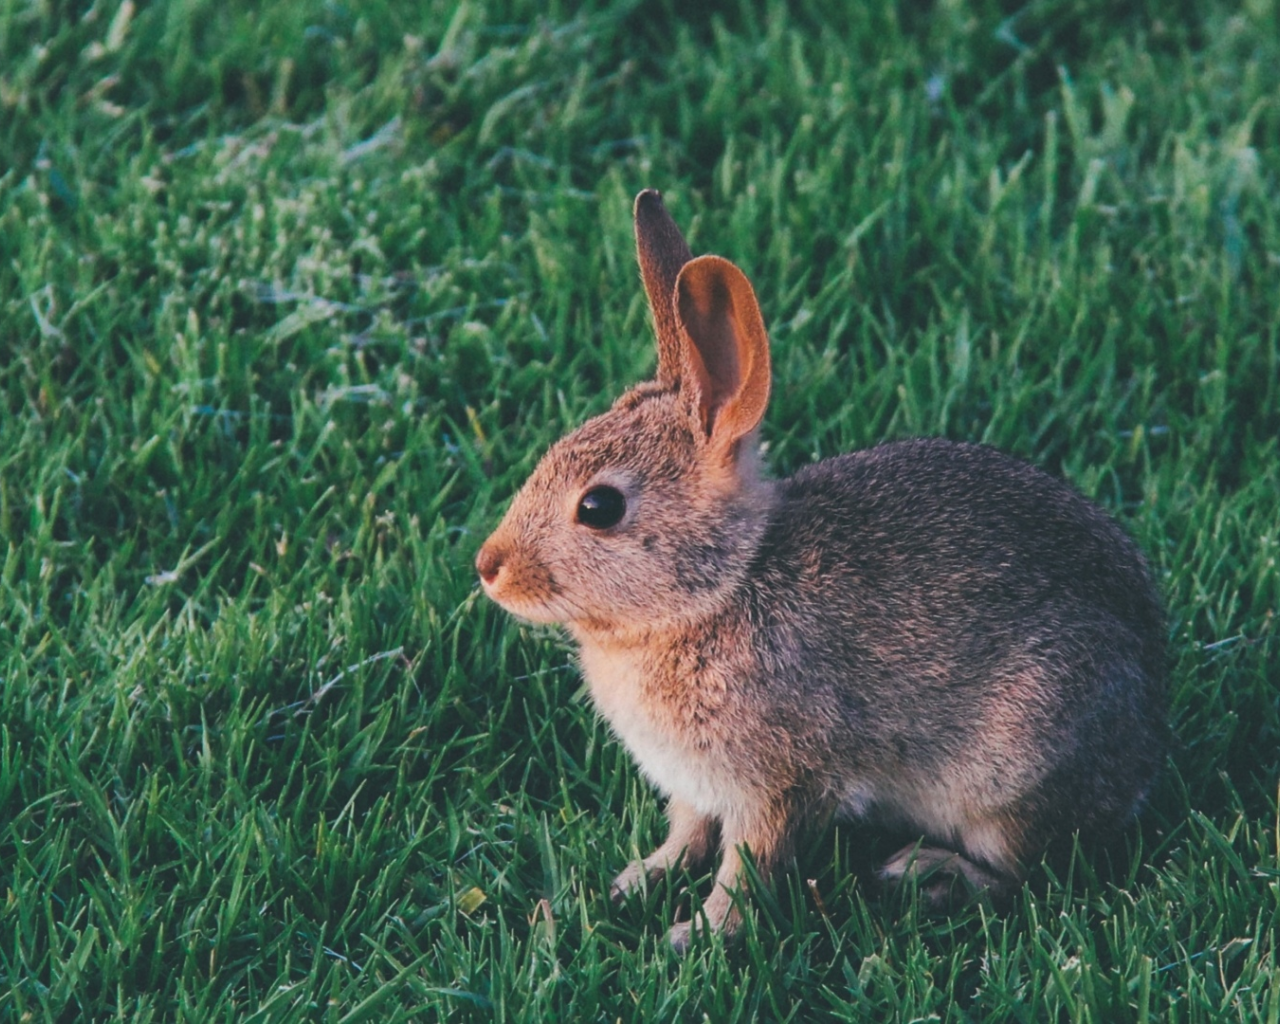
(626, 521)
(652, 512)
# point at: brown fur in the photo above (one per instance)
(927, 633)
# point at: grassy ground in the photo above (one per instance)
(291, 298)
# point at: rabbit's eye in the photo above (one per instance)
(601, 508)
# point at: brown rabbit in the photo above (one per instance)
(932, 634)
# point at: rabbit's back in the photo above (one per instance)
(956, 531)
(962, 619)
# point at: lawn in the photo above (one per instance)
(293, 296)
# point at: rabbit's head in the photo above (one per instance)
(651, 512)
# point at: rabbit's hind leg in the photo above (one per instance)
(946, 878)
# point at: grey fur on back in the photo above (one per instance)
(964, 578)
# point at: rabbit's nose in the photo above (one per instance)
(488, 563)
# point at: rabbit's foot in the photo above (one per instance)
(944, 877)
(639, 873)
(634, 876)
(681, 936)
(719, 914)
(690, 838)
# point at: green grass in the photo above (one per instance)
(292, 296)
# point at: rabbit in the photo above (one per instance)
(928, 634)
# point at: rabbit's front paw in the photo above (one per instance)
(634, 876)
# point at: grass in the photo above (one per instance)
(291, 299)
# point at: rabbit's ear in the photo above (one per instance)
(662, 251)
(726, 349)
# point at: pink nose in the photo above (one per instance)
(488, 563)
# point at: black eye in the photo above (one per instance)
(601, 508)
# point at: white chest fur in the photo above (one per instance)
(679, 763)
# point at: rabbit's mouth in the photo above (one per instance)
(543, 613)
(527, 591)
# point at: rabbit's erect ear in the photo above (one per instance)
(662, 251)
(726, 349)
